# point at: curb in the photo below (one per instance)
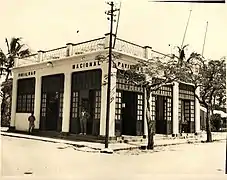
(99, 149)
(48, 140)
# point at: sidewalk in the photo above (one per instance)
(96, 147)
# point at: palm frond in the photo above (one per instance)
(18, 47)
(24, 53)
(13, 44)
(185, 46)
(7, 43)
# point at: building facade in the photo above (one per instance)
(57, 84)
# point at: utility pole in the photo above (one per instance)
(117, 26)
(111, 14)
(204, 38)
(186, 29)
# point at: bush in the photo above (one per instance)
(216, 122)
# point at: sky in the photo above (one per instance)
(49, 24)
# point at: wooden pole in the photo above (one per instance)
(204, 38)
(186, 29)
(117, 26)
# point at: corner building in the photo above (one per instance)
(56, 84)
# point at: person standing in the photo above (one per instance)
(84, 116)
(31, 120)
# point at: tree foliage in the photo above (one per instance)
(15, 49)
(151, 74)
(207, 75)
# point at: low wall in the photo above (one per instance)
(21, 121)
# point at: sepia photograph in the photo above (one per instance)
(113, 89)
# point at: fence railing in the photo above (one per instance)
(128, 47)
(88, 46)
(31, 59)
(55, 53)
(84, 47)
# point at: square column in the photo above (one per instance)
(37, 103)
(104, 100)
(14, 102)
(145, 130)
(104, 79)
(113, 87)
(197, 112)
(175, 108)
(66, 103)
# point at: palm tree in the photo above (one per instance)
(15, 49)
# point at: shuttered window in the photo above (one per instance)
(25, 95)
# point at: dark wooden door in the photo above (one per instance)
(52, 111)
(74, 120)
(160, 115)
(129, 118)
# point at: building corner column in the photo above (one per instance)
(40, 56)
(66, 103)
(37, 103)
(14, 103)
(175, 108)
(147, 52)
(69, 51)
(112, 102)
(107, 40)
(104, 100)
(104, 67)
(197, 112)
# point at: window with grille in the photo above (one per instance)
(44, 104)
(124, 84)
(25, 95)
(164, 91)
(118, 113)
(118, 106)
(153, 102)
(186, 92)
(97, 104)
(25, 103)
(75, 103)
(169, 109)
(187, 110)
(192, 110)
(61, 104)
(139, 107)
(179, 109)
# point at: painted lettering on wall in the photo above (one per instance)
(86, 64)
(122, 65)
(119, 64)
(30, 73)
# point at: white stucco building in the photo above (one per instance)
(55, 85)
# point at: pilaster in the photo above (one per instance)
(175, 108)
(14, 102)
(197, 112)
(37, 102)
(66, 103)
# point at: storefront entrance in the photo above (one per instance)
(163, 115)
(129, 118)
(52, 103)
(86, 93)
(129, 115)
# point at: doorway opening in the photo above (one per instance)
(163, 115)
(52, 102)
(129, 113)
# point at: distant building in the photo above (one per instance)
(56, 84)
